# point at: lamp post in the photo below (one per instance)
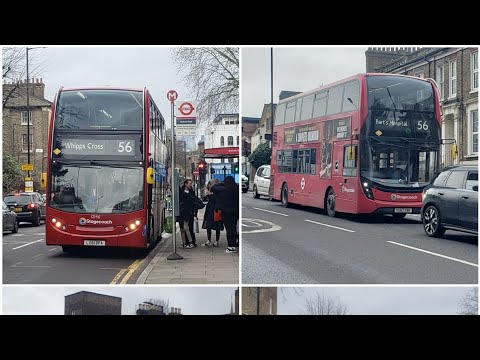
(28, 108)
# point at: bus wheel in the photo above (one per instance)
(330, 203)
(285, 195)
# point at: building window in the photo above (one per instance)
(474, 136)
(441, 81)
(238, 140)
(474, 79)
(24, 118)
(222, 141)
(453, 78)
(230, 141)
(25, 144)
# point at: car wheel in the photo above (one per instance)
(431, 222)
(255, 192)
(285, 195)
(15, 227)
(330, 203)
(36, 220)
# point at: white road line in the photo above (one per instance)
(335, 227)
(273, 212)
(53, 249)
(30, 243)
(435, 254)
(33, 257)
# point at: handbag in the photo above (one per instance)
(195, 226)
(217, 215)
(199, 203)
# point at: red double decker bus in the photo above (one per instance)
(366, 144)
(106, 172)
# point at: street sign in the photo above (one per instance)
(172, 95)
(27, 167)
(186, 109)
(29, 184)
(28, 189)
(196, 172)
(39, 150)
(28, 179)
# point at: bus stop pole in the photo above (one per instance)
(175, 210)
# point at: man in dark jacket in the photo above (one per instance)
(187, 211)
(227, 201)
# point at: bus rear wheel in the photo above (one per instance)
(285, 195)
(330, 203)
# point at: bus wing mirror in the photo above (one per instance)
(43, 181)
(454, 152)
(150, 175)
(351, 153)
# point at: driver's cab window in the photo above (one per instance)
(472, 180)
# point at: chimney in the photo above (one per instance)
(38, 88)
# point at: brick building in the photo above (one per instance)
(15, 124)
(267, 304)
(249, 125)
(456, 72)
(88, 303)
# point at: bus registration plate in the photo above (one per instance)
(94, 242)
(403, 210)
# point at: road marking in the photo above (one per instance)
(30, 243)
(335, 227)
(111, 269)
(435, 254)
(118, 276)
(273, 227)
(53, 249)
(131, 270)
(18, 234)
(273, 212)
(33, 257)
(29, 266)
(255, 223)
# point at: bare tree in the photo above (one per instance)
(14, 69)
(469, 303)
(212, 74)
(324, 305)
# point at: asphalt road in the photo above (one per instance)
(27, 260)
(299, 245)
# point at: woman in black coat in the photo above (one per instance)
(209, 222)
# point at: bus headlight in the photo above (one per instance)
(131, 226)
(367, 189)
(59, 224)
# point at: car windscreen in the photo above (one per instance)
(18, 199)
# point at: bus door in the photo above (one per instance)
(344, 176)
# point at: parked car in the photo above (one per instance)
(9, 219)
(29, 207)
(244, 183)
(261, 182)
(451, 201)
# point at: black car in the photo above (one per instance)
(9, 219)
(29, 207)
(451, 201)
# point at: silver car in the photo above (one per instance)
(261, 183)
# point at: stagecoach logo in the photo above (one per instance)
(403, 197)
(347, 190)
(83, 221)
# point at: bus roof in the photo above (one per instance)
(100, 88)
(344, 80)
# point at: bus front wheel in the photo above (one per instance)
(330, 203)
(285, 195)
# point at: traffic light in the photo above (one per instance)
(235, 168)
(212, 170)
(202, 168)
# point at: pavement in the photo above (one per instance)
(302, 245)
(200, 265)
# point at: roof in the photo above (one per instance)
(90, 292)
(461, 167)
(101, 88)
(21, 101)
(251, 120)
(221, 153)
(220, 116)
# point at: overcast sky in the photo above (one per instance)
(379, 300)
(135, 67)
(295, 69)
(51, 300)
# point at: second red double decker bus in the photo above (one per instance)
(106, 177)
(366, 144)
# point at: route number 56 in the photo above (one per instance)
(124, 147)
(422, 125)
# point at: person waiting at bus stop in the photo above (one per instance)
(187, 212)
(227, 202)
